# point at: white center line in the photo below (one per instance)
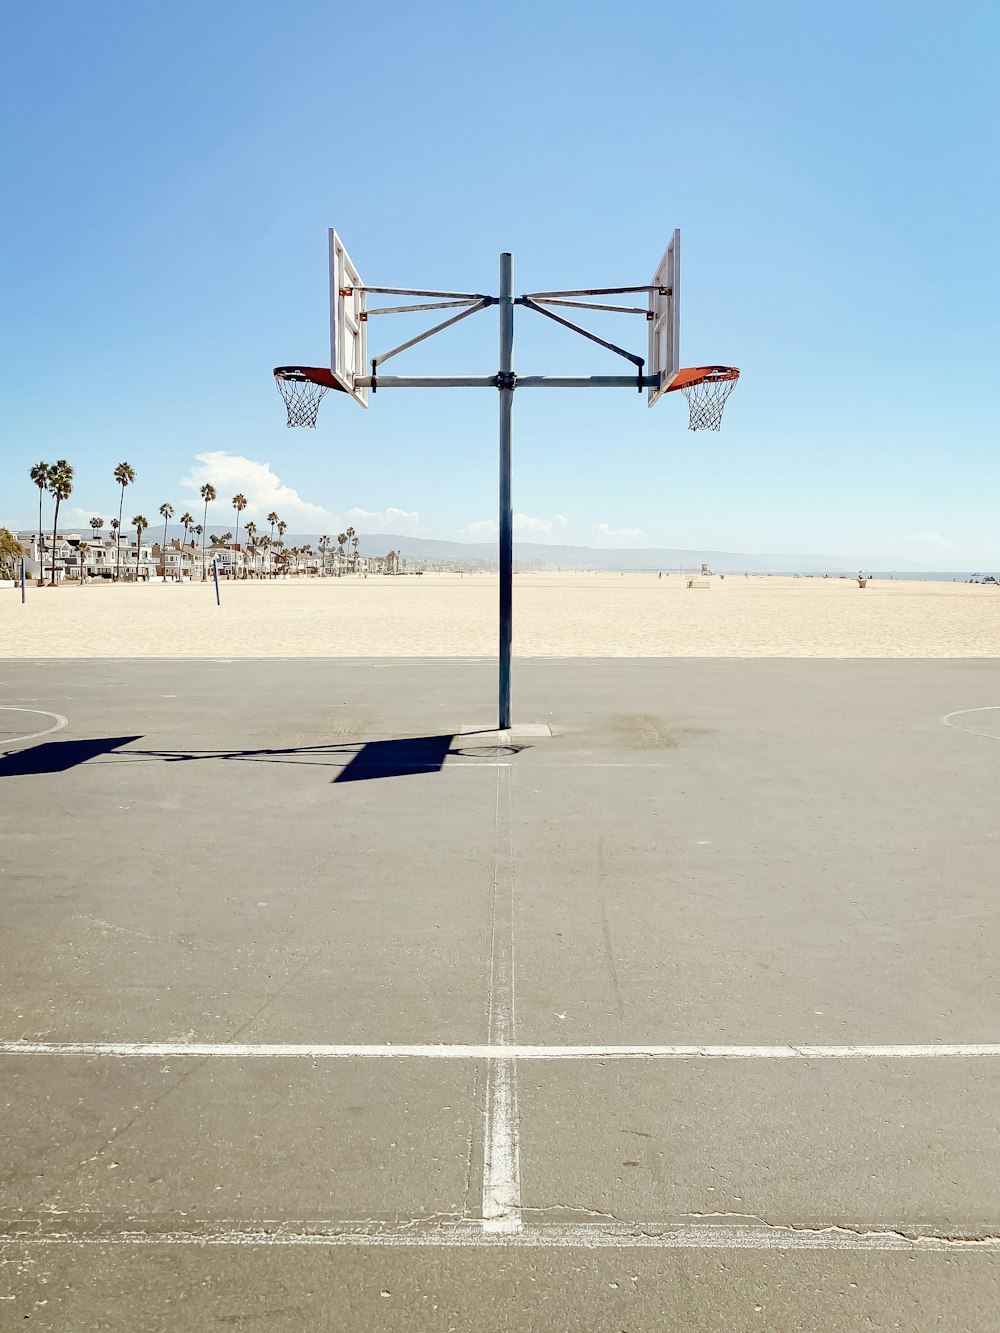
(496, 1050)
(501, 1150)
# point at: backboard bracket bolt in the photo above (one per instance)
(506, 379)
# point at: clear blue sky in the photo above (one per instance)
(171, 171)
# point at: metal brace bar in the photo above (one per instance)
(432, 305)
(410, 291)
(429, 333)
(600, 291)
(586, 333)
(592, 305)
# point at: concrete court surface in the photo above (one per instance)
(323, 1007)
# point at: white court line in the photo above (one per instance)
(500, 1052)
(60, 722)
(501, 1148)
(960, 712)
(544, 1235)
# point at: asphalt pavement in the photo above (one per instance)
(327, 1006)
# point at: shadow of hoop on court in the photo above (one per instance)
(358, 761)
(58, 756)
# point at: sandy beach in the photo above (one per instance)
(555, 615)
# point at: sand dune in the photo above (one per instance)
(555, 615)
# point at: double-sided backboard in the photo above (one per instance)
(664, 357)
(348, 331)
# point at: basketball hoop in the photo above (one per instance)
(706, 389)
(303, 389)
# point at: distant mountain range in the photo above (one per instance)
(547, 556)
(589, 557)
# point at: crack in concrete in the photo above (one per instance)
(837, 1228)
(435, 1219)
(573, 1208)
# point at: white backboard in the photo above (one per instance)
(665, 327)
(348, 331)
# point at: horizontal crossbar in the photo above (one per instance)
(588, 381)
(521, 381)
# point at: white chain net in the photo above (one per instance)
(302, 399)
(706, 402)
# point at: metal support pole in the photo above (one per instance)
(506, 507)
(215, 575)
(22, 580)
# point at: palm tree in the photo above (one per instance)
(239, 504)
(251, 534)
(115, 538)
(39, 474)
(354, 543)
(324, 546)
(61, 486)
(167, 513)
(208, 494)
(82, 550)
(272, 518)
(187, 521)
(349, 534)
(265, 545)
(97, 523)
(141, 525)
(124, 476)
(341, 543)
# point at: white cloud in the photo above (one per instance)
(480, 530)
(524, 525)
(232, 474)
(78, 515)
(620, 536)
(384, 520)
(928, 541)
(536, 527)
